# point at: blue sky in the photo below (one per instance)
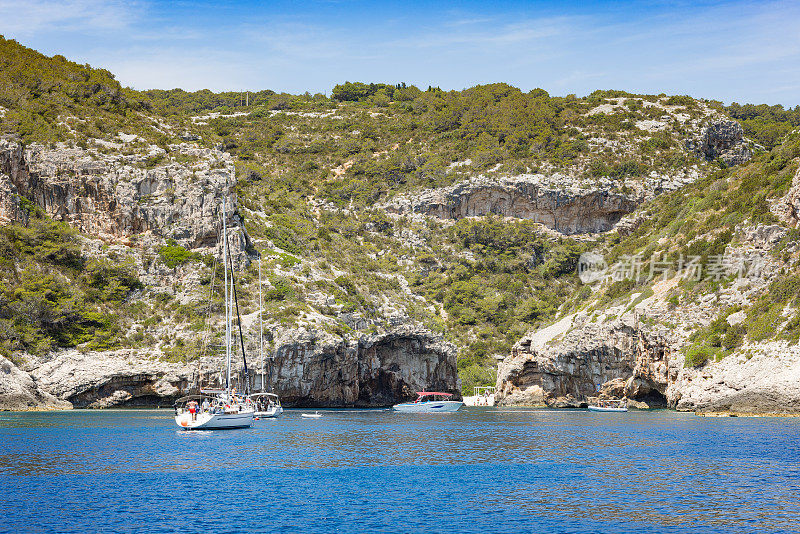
(730, 51)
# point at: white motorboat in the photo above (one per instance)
(266, 405)
(430, 402)
(609, 405)
(315, 415)
(224, 409)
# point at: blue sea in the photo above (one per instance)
(479, 470)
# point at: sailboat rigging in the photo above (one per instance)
(220, 408)
(267, 403)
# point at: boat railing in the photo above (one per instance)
(606, 402)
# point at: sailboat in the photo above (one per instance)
(221, 408)
(267, 404)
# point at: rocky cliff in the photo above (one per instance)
(309, 369)
(20, 392)
(551, 201)
(116, 196)
(625, 358)
(375, 370)
(564, 365)
(724, 140)
(637, 348)
(560, 202)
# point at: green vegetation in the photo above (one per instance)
(311, 170)
(51, 296)
(172, 254)
(767, 125)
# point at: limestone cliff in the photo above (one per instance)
(724, 140)
(575, 359)
(559, 202)
(20, 392)
(116, 196)
(309, 369)
(376, 370)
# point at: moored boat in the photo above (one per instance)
(266, 405)
(430, 402)
(222, 408)
(608, 405)
(214, 410)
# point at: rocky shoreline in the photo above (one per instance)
(311, 369)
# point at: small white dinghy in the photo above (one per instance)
(430, 402)
(315, 415)
(609, 405)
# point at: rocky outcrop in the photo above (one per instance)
(763, 380)
(116, 196)
(116, 378)
(787, 208)
(313, 369)
(724, 140)
(20, 392)
(560, 202)
(310, 369)
(555, 201)
(575, 359)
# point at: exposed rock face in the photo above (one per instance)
(309, 370)
(787, 208)
(105, 379)
(113, 196)
(767, 382)
(378, 370)
(564, 365)
(723, 139)
(19, 391)
(551, 201)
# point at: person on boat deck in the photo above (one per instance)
(206, 405)
(193, 409)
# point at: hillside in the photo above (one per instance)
(382, 209)
(697, 308)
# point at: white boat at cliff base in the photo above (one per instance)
(223, 412)
(222, 408)
(430, 402)
(609, 406)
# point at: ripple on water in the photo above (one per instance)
(477, 470)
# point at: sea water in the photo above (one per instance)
(478, 470)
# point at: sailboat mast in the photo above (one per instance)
(261, 325)
(227, 304)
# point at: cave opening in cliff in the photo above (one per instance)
(653, 399)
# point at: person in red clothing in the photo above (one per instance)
(193, 409)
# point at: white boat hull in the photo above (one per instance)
(605, 409)
(428, 407)
(274, 411)
(217, 421)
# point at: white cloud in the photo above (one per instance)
(30, 17)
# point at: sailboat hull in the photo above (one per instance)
(219, 421)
